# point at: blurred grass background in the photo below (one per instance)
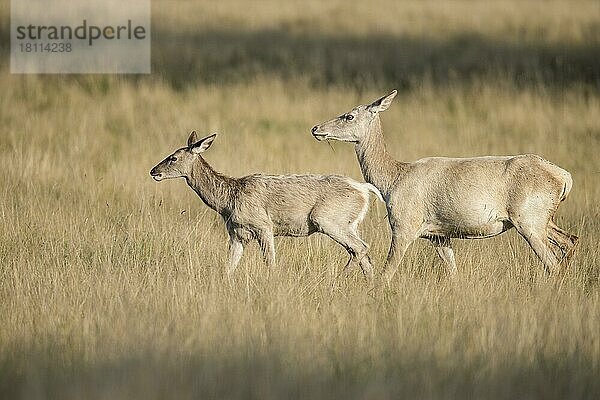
(113, 286)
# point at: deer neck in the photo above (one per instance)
(378, 167)
(215, 190)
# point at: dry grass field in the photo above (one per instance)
(113, 286)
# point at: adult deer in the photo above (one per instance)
(259, 207)
(440, 198)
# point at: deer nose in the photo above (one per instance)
(314, 129)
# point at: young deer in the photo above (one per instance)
(441, 198)
(262, 206)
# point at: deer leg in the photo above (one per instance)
(353, 245)
(366, 267)
(267, 246)
(236, 249)
(538, 241)
(444, 250)
(572, 239)
(398, 247)
(363, 259)
(563, 242)
(350, 264)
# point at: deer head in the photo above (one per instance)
(179, 163)
(354, 125)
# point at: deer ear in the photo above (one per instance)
(203, 144)
(192, 139)
(383, 103)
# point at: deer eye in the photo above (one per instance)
(172, 159)
(349, 117)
